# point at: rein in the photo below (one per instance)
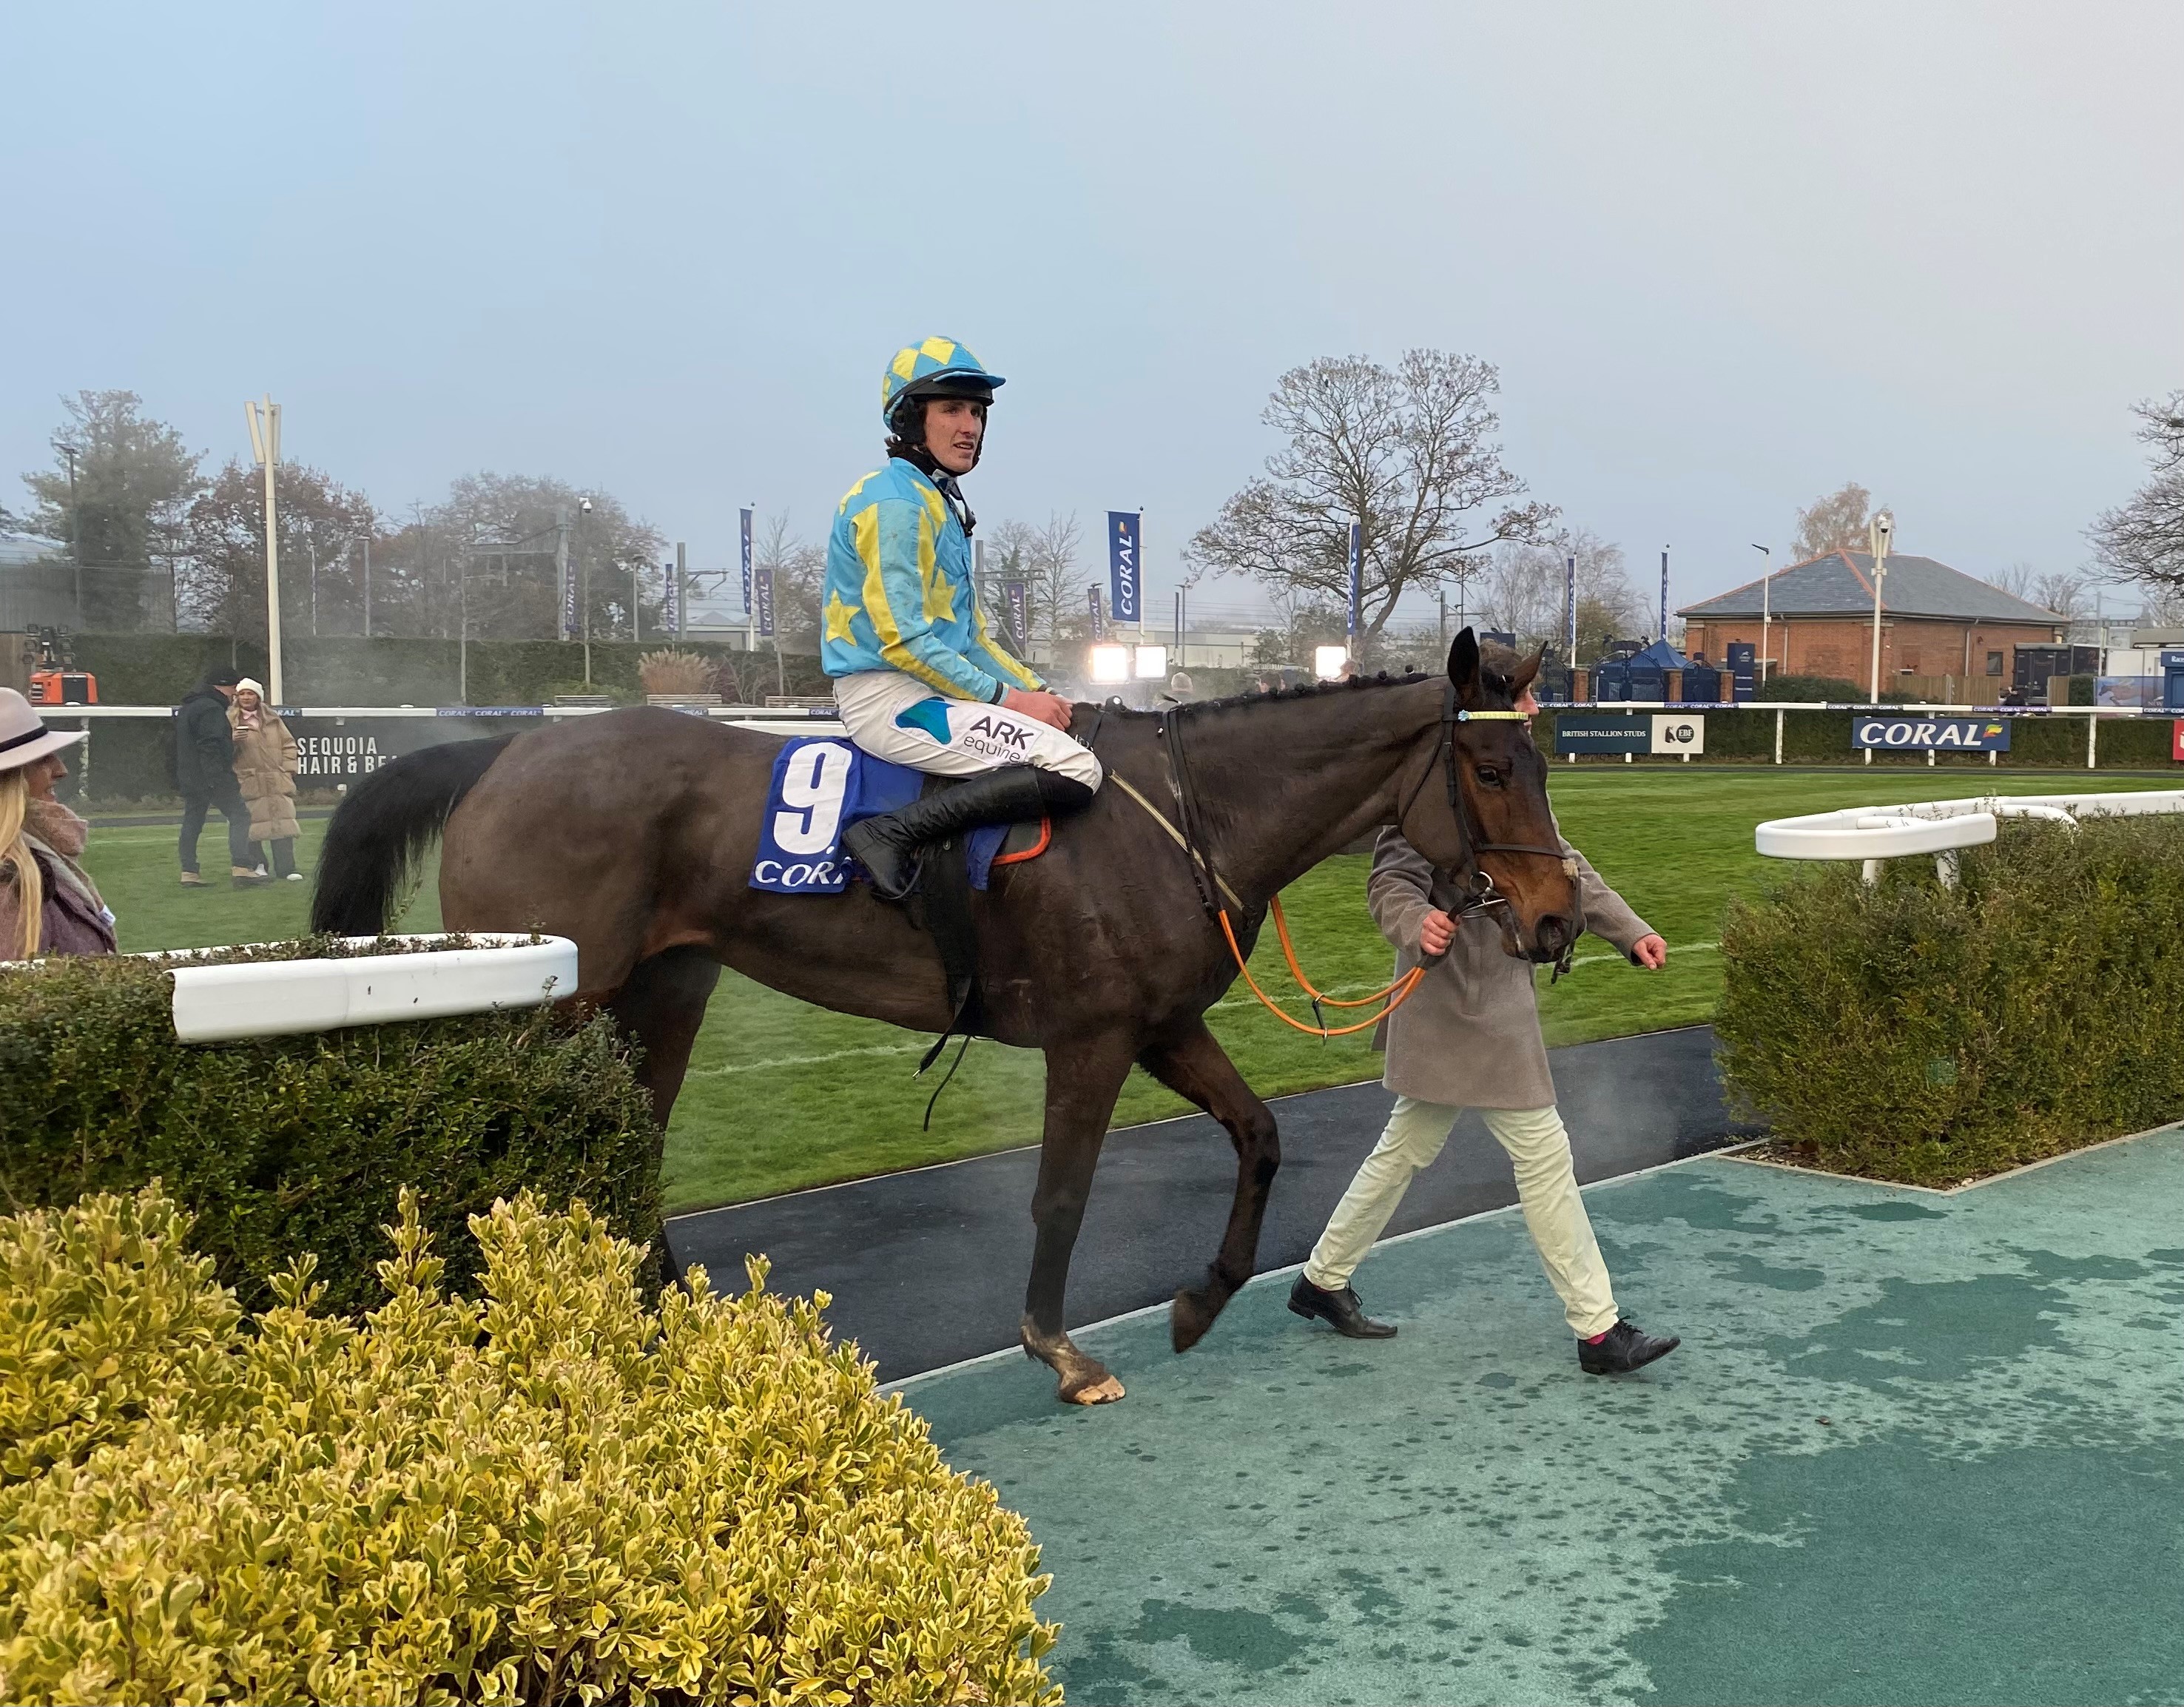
(1211, 886)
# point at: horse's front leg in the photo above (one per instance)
(1083, 1080)
(1192, 1064)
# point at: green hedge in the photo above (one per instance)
(1917, 1032)
(283, 1144)
(548, 1493)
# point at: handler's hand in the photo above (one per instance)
(1048, 708)
(1435, 932)
(1650, 952)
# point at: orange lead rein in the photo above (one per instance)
(1282, 930)
(1403, 987)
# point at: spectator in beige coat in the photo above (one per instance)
(1470, 1038)
(265, 772)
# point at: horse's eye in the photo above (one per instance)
(1489, 775)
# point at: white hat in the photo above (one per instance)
(23, 736)
(252, 683)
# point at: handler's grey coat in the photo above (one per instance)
(1470, 1037)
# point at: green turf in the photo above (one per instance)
(783, 1095)
(1913, 1449)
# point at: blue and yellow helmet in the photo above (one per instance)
(939, 367)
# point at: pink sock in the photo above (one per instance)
(1596, 1339)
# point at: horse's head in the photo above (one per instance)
(1477, 807)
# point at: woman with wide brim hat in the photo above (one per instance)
(48, 904)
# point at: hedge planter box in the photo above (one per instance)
(281, 998)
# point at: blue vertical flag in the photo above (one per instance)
(1016, 615)
(1570, 603)
(569, 623)
(670, 606)
(1357, 584)
(746, 516)
(1664, 591)
(762, 587)
(1125, 574)
(1098, 616)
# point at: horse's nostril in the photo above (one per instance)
(1551, 935)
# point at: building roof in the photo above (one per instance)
(18, 549)
(1840, 584)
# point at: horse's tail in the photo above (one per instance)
(383, 830)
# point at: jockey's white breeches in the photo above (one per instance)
(893, 716)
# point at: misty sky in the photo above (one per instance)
(1726, 257)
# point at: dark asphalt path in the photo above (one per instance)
(927, 1267)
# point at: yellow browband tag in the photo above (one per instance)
(1494, 716)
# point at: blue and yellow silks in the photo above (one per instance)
(899, 595)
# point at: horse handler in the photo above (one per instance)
(1470, 1038)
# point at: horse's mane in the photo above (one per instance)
(1496, 684)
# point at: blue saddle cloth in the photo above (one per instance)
(822, 785)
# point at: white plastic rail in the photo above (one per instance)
(1940, 828)
(277, 998)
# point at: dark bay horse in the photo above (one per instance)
(633, 834)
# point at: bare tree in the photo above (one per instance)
(2016, 580)
(2061, 592)
(800, 580)
(1411, 453)
(1836, 523)
(2144, 540)
(1527, 587)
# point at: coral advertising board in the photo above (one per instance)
(1931, 735)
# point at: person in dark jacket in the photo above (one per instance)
(204, 772)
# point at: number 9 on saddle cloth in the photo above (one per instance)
(822, 785)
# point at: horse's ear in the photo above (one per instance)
(1525, 675)
(1464, 662)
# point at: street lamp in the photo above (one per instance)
(1878, 532)
(1766, 604)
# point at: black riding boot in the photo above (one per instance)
(888, 847)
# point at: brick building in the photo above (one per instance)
(1938, 625)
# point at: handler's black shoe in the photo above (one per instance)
(890, 847)
(1625, 1348)
(1339, 1310)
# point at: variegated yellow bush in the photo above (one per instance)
(547, 1494)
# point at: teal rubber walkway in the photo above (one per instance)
(1915, 1448)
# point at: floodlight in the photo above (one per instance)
(1111, 663)
(1327, 662)
(1152, 663)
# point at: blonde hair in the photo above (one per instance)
(15, 851)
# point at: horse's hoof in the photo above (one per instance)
(1192, 1315)
(1105, 1390)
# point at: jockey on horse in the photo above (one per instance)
(918, 678)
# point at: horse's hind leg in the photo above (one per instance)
(1082, 1083)
(1193, 1065)
(661, 1005)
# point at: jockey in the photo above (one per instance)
(917, 677)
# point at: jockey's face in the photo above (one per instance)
(954, 427)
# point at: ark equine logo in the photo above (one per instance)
(995, 738)
(1932, 734)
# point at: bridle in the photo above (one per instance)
(1479, 894)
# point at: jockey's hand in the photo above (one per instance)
(1048, 708)
(1436, 930)
(1650, 952)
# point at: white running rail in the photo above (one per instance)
(277, 998)
(1940, 828)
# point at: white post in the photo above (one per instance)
(1766, 611)
(2093, 734)
(1778, 737)
(266, 443)
(1877, 535)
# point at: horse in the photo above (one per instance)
(633, 833)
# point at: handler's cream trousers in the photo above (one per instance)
(1546, 1187)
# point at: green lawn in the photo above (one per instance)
(783, 1095)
